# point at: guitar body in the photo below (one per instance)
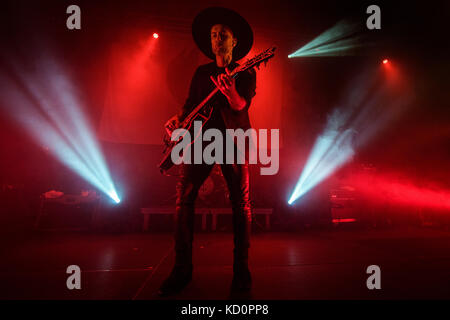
(203, 116)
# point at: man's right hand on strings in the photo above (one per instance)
(173, 123)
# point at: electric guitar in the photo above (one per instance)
(203, 111)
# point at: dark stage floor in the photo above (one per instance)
(316, 264)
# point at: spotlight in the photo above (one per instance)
(358, 119)
(113, 195)
(48, 107)
(340, 40)
(385, 61)
(155, 35)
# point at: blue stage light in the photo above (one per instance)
(339, 40)
(44, 101)
(368, 108)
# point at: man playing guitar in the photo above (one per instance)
(225, 37)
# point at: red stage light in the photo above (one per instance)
(401, 191)
(155, 35)
(385, 61)
(343, 220)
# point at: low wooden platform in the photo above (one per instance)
(214, 212)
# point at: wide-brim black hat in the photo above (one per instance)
(203, 22)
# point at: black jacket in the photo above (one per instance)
(223, 115)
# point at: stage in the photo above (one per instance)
(310, 264)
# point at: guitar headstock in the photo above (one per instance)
(257, 60)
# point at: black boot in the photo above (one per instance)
(242, 280)
(181, 273)
(178, 279)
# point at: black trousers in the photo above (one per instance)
(192, 178)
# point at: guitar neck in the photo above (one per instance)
(198, 108)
